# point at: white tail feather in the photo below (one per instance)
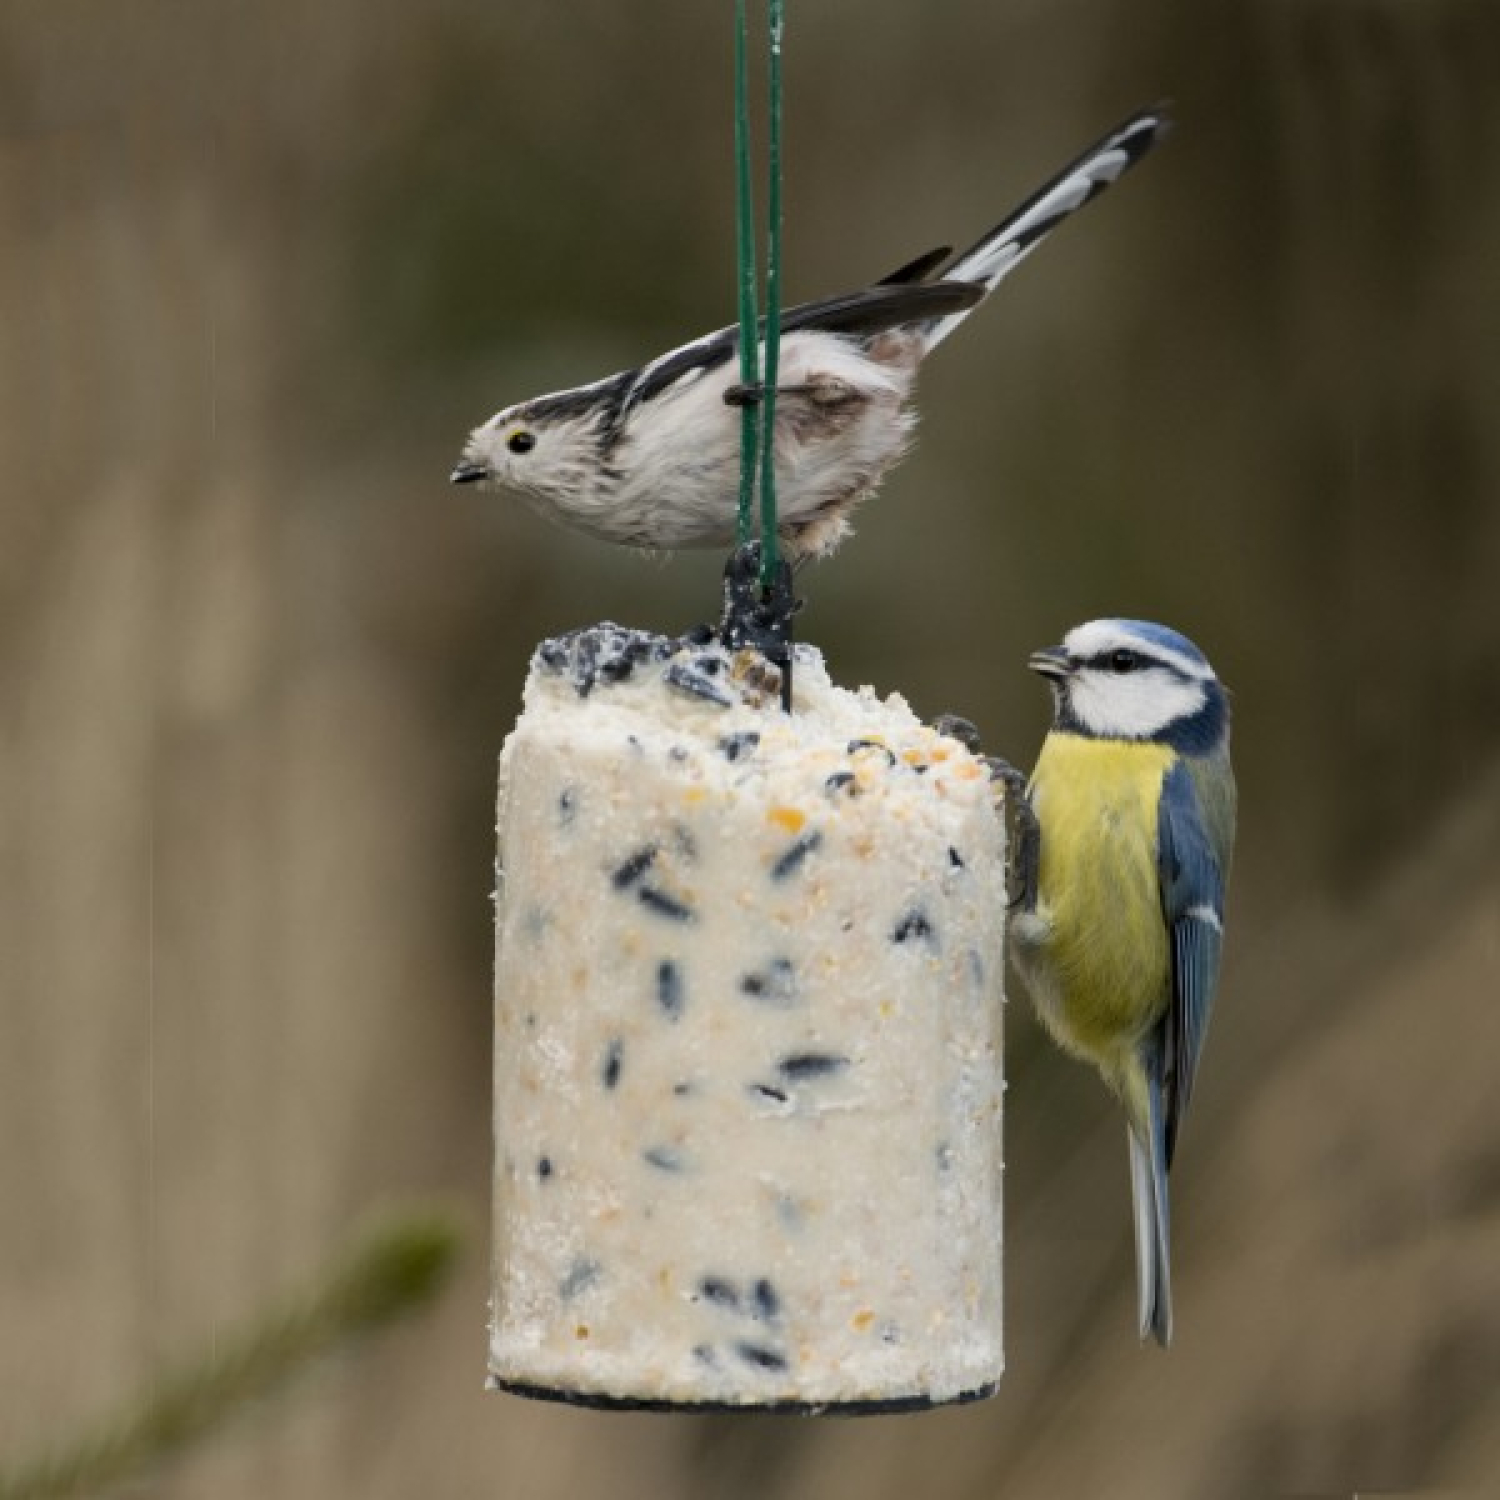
(1009, 243)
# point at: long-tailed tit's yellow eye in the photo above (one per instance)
(521, 441)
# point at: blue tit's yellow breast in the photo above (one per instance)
(1099, 960)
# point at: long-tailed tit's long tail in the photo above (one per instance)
(1009, 243)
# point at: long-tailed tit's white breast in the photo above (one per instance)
(650, 457)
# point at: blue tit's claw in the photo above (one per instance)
(956, 727)
(1025, 835)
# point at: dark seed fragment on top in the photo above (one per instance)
(631, 871)
(856, 745)
(797, 1066)
(669, 989)
(614, 1061)
(664, 905)
(766, 1299)
(605, 652)
(912, 927)
(582, 1274)
(762, 1356)
(776, 984)
(697, 681)
(791, 859)
(735, 746)
(720, 1291)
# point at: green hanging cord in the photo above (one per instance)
(769, 556)
(745, 266)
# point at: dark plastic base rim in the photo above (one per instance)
(884, 1407)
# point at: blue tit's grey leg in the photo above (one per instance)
(1025, 834)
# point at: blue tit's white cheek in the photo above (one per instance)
(1133, 705)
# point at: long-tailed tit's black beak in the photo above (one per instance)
(468, 473)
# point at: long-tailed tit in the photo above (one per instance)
(650, 457)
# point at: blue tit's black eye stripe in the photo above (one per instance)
(1119, 661)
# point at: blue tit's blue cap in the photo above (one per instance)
(1163, 636)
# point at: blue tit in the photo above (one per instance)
(1120, 919)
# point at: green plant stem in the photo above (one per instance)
(391, 1269)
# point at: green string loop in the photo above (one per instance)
(769, 559)
(758, 417)
(745, 271)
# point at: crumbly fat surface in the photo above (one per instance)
(748, 1065)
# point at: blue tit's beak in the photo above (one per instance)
(469, 473)
(1051, 661)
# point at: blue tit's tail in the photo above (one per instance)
(1010, 242)
(1148, 1187)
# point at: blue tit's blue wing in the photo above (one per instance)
(1192, 893)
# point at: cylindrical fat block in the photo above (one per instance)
(747, 1041)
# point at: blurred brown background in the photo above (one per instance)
(261, 268)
